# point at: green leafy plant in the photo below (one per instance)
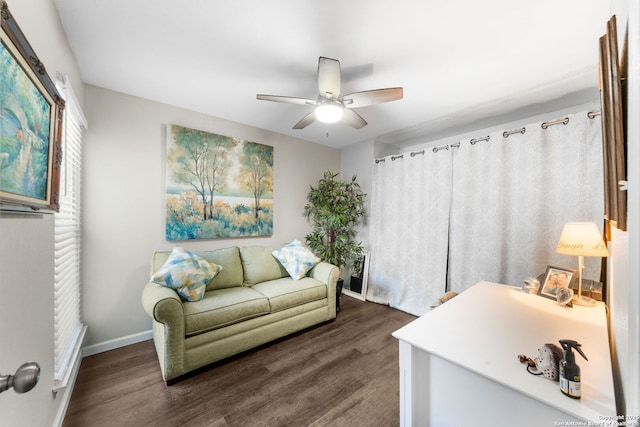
(335, 207)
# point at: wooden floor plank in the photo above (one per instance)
(341, 373)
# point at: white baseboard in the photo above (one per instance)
(116, 343)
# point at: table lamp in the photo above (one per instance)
(582, 239)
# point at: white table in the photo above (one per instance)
(459, 363)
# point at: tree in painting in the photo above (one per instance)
(200, 160)
(256, 171)
(217, 186)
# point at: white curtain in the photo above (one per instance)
(409, 224)
(489, 211)
(512, 195)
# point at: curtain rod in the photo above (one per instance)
(446, 147)
(564, 121)
(544, 125)
(508, 133)
(400, 156)
(505, 134)
(476, 140)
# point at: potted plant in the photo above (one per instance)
(335, 207)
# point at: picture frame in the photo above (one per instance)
(216, 186)
(356, 286)
(612, 84)
(554, 278)
(31, 125)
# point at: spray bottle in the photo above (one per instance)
(569, 370)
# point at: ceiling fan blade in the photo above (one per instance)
(306, 121)
(371, 97)
(329, 77)
(353, 119)
(286, 99)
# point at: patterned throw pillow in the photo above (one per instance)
(186, 273)
(296, 258)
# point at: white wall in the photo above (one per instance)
(26, 253)
(124, 202)
(624, 269)
(358, 160)
(632, 390)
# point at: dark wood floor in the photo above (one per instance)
(342, 373)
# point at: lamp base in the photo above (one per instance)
(584, 301)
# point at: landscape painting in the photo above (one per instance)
(217, 186)
(28, 120)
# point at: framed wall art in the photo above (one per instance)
(30, 125)
(217, 186)
(612, 78)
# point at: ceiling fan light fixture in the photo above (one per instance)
(329, 113)
(330, 106)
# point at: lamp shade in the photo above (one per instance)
(581, 238)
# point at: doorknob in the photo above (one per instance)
(25, 378)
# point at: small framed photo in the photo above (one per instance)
(555, 278)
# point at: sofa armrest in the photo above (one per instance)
(326, 273)
(162, 304)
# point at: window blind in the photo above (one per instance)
(68, 328)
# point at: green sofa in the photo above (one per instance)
(252, 301)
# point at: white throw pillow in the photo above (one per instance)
(186, 273)
(296, 258)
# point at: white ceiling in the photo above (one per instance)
(459, 61)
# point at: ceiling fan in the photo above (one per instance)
(330, 106)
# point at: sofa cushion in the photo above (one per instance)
(222, 307)
(231, 274)
(228, 258)
(296, 258)
(186, 273)
(286, 293)
(260, 265)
